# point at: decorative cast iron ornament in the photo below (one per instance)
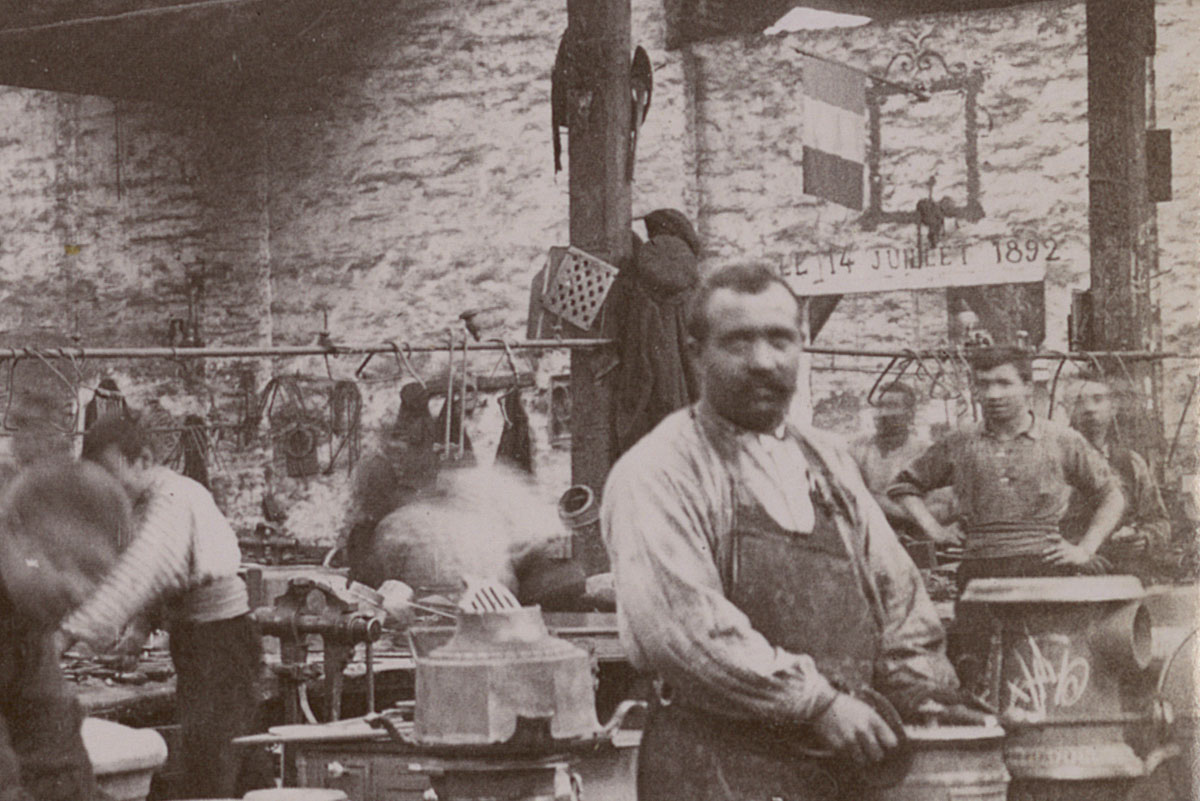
(928, 71)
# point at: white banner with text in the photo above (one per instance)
(999, 260)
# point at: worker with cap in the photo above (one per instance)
(1012, 478)
(60, 525)
(183, 557)
(757, 580)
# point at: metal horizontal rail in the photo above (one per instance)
(252, 351)
(1050, 355)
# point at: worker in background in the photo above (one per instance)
(882, 455)
(185, 556)
(1012, 478)
(757, 579)
(1145, 528)
(60, 524)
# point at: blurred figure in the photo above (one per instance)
(402, 465)
(60, 525)
(184, 556)
(1144, 528)
(881, 456)
(1013, 477)
(488, 522)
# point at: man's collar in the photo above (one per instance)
(1034, 430)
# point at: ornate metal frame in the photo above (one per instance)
(926, 70)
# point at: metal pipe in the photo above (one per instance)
(266, 351)
(1182, 419)
(462, 404)
(449, 393)
(368, 656)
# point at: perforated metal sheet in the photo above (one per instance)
(579, 287)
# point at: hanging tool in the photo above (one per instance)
(641, 86)
(560, 95)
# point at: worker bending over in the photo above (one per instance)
(185, 556)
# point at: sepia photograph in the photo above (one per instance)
(620, 400)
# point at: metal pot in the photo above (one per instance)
(504, 680)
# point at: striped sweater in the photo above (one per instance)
(184, 553)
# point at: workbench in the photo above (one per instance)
(151, 703)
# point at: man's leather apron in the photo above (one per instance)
(803, 593)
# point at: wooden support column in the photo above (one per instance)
(601, 214)
(1120, 42)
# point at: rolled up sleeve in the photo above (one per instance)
(931, 470)
(912, 656)
(1085, 468)
(674, 617)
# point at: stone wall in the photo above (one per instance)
(414, 181)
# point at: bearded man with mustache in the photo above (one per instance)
(1013, 478)
(758, 581)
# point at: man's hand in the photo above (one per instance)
(1127, 541)
(943, 535)
(1065, 553)
(1068, 555)
(855, 729)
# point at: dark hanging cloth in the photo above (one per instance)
(107, 400)
(516, 443)
(404, 464)
(648, 312)
(195, 449)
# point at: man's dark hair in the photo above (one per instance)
(748, 279)
(991, 358)
(900, 388)
(125, 433)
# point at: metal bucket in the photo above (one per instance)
(952, 763)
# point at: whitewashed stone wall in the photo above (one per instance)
(416, 182)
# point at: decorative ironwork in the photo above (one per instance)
(920, 63)
(927, 70)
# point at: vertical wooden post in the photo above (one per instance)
(1120, 40)
(601, 213)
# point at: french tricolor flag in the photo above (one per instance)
(835, 107)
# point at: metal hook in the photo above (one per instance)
(404, 357)
(363, 365)
(905, 361)
(508, 357)
(1054, 386)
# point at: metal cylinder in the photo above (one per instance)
(951, 763)
(1068, 674)
(579, 510)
